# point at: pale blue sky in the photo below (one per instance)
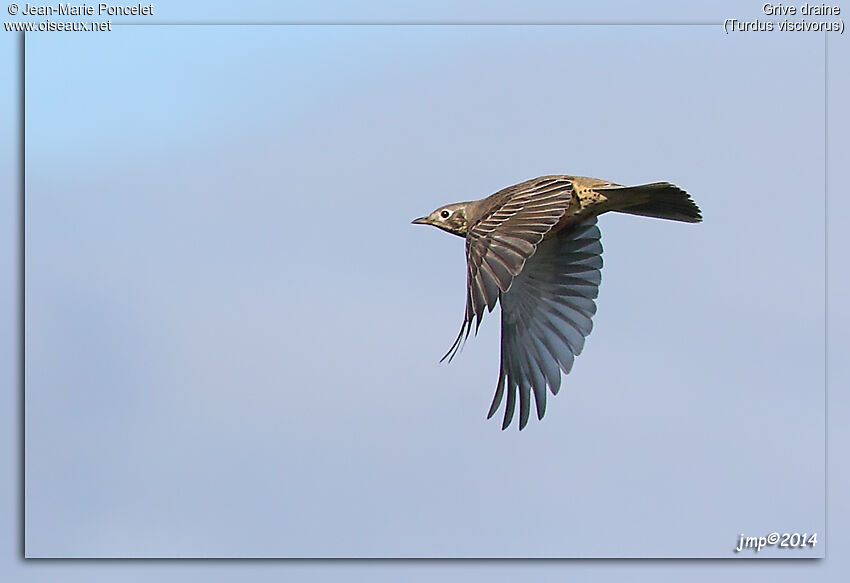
(209, 376)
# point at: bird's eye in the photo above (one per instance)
(445, 214)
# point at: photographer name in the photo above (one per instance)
(100, 9)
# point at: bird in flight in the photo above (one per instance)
(535, 248)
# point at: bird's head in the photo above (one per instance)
(451, 218)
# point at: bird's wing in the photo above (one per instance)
(503, 238)
(546, 316)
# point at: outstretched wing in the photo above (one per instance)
(503, 238)
(546, 315)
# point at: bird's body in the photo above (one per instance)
(535, 247)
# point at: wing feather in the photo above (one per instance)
(500, 241)
(546, 316)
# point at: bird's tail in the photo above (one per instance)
(658, 199)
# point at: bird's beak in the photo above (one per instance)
(420, 221)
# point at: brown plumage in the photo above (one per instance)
(536, 248)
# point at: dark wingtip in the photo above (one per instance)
(499, 394)
(456, 345)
